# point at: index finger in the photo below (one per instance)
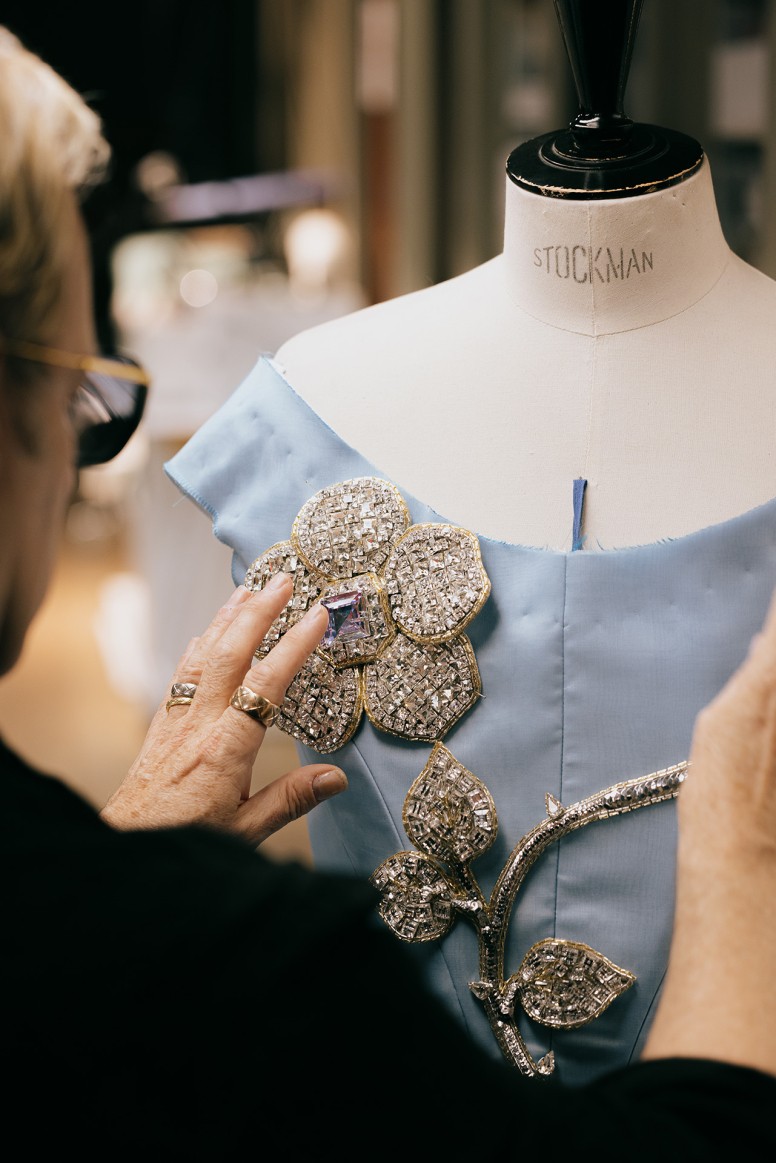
(226, 654)
(270, 676)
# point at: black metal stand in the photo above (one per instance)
(602, 153)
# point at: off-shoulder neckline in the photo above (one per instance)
(696, 536)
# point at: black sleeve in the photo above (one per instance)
(689, 1109)
(174, 995)
(336, 1045)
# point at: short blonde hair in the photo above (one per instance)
(52, 148)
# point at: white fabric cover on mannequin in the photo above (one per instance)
(617, 340)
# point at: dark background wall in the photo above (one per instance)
(178, 76)
(164, 74)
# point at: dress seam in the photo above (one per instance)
(647, 1018)
(562, 746)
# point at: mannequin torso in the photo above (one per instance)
(620, 341)
(484, 398)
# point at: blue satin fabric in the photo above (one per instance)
(594, 666)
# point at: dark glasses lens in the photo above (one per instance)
(107, 410)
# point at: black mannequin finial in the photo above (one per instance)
(599, 41)
(602, 153)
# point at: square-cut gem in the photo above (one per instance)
(347, 617)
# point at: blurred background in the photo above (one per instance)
(278, 163)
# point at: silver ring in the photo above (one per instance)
(254, 706)
(183, 690)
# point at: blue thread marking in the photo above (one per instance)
(578, 538)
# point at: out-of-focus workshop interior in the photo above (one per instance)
(278, 163)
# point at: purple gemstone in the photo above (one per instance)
(347, 617)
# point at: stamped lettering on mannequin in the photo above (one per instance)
(585, 264)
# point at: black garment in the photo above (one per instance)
(175, 993)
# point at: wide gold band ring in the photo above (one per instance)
(180, 701)
(254, 706)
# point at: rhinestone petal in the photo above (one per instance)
(418, 690)
(436, 581)
(283, 556)
(349, 528)
(323, 706)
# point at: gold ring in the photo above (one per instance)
(254, 706)
(185, 690)
(180, 701)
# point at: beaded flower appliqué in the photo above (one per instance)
(450, 816)
(399, 597)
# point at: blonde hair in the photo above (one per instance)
(52, 149)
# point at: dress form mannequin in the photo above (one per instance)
(616, 338)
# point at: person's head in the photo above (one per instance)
(53, 151)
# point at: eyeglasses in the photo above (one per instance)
(110, 401)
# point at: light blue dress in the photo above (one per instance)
(593, 667)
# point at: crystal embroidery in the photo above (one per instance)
(565, 984)
(450, 817)
(419, 692)
(284, 557)
(408, 663)
(433, 575)
(349, 528)
(323, 706)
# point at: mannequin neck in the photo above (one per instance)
(604, 266)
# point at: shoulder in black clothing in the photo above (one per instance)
(175, 993)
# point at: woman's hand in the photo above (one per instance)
(196, 763)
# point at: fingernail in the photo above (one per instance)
(329, 783)
(278, 580)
